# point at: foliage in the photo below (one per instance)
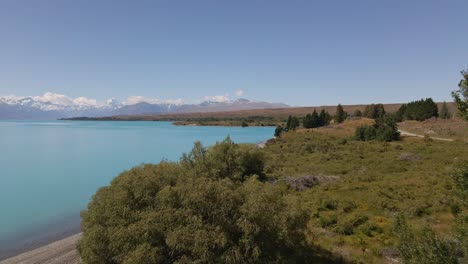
(200, 210)
(444, 112)
(315, 120)
(357, 113)
(374, 111)
(278, 131)
(292, 123)
(419, 110)
(426, 247)
(340, 114)
(461, 96)
(371, 181)
(384, 129)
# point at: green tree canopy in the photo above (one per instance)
(461, 95)
(204, 209)
(340, 114)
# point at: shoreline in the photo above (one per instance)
(59, 252)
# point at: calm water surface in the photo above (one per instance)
(49, 170)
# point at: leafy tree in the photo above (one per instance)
(196, 211)
(461, 96)
(340, 114)
(444, 113)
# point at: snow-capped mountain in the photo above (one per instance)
(54, 106)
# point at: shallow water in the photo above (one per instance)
(50, 169)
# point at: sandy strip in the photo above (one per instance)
(60, 252)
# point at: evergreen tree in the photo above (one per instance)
(461, 96)
(307, 122)
(374, 111)
(278, 131)
(294, 123)
(324, 118)
(288, 123)
(444, 113)
(419, 110)
(340, 115)
(315, 120)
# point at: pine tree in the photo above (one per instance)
(340, 115)
(315, 120)
(324, 118)
(444, 113)
(288, 123)
(307, 122)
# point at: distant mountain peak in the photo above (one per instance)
(52, 105)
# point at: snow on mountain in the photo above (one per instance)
(52, 106)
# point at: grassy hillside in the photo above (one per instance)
(443, 128)
(353, 216)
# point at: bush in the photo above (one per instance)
(384, 129)
(426, 247)
(199, 210)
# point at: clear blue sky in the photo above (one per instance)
(297, 52)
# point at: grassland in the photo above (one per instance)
(353, 216)
(444, 128)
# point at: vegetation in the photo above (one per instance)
(374, 111)
(384, 129)
(418, 110)
(292, 123)
(340, 114)
(444, 112)
(315, 120)
(453, 128)
(233, 203)
(211, 207)
(461, 96)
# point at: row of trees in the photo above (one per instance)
(419, 110)
(317, 120)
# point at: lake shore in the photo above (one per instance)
(59, 252)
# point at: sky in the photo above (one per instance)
(301, 53)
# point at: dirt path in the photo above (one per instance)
(60, 252)
(405, 133)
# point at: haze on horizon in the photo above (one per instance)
(295, 52)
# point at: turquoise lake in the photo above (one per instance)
(50, 169)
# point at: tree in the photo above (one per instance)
(374, 111)
(340, 114)
(324, 118)
(384, 129)
(288, 123)
(419, 110)
(278, 131)
(444, 113)
(461, 95)
(307, 122)
(194, 211)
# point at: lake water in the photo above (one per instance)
(50, 169)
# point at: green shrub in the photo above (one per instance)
(200, 210)
(327, 221)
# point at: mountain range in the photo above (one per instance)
(54, 106)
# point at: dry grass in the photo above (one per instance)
(444, 128)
